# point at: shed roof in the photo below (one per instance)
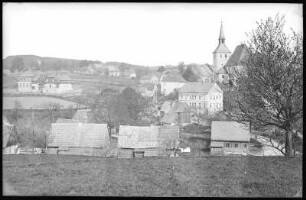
(239, 56)
(64, 120)
(229, 131)
(138, 136)
(197, 87)
(166, 107)
(78, 135)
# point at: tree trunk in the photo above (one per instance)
(289, 143)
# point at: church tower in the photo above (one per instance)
(222, 53)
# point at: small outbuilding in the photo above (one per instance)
(229, 137)
(146, 141)
(78, 139)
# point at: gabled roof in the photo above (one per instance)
(229, 131)
(78, 135)
(28, 73)
(173, 110)
(147, 136)
(166, 106)
(64, 120)
(201, 70)
(82, 115)
(222, 70)
(196, 87)
(173, 77)
(169, 118)
(63, 77)
(222, 48)
(239, 56)
(180, 107)
(138, 136)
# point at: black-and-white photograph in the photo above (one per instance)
(152, 99)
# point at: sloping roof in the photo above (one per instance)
(64, 120)
(239, 56)
(78, 135)
(222, 70)
(82, 115)
(138, 136)
(216, 144)
(196, 87)
(169, 118)
(167, 105)
(181, 107)
(229, 131)
(222, 48)
(173, 77)
(201, 70)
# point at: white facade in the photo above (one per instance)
(211, 102)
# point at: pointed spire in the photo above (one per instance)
(221, 36)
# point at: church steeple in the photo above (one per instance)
(221, 36)
(221, 53)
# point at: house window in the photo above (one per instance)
(236, 145)
(220, 55)
(227, 145)
(245, 145)
(225, 56)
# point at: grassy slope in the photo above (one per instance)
(206, 176)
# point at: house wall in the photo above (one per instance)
(168, 87)
(212, 102)
(50, 88)
(83, 151)
(230, 147)
(221, 77)
(114, 73)
(24, 86)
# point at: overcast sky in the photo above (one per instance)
(147, 34)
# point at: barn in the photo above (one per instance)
(229, 137)
(146, 141)
(78, 139)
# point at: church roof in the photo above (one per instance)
(222, 48)
(239, 55)
(222, 70)
(221, 36)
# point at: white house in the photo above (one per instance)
(113, 71)
(154, 78)
(202, 97)
(229, 137)
(171, 81)
(24, 83)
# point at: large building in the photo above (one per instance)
(221, 53)
(202, 97)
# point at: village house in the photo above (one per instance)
(47, 83)
(113, 71)
(78, 139)
(176, 113)
(229, 137)
(171, 81)
(202, 97)
(146, 141)
(149, 91)
(24, 83)
(151, 78)
(130, 73)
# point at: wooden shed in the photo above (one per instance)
(146, 141)
(78, 139)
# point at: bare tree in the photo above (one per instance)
(269, 89)
(52, 108)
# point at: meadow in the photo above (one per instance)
(208, 176)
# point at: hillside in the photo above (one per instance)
(26, 62)
(209, 176)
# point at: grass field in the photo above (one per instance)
(204, 176)
(36, 102)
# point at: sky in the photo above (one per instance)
(148, 34)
